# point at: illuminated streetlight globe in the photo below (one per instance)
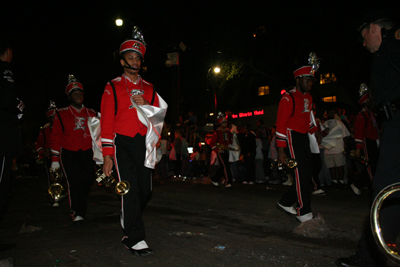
(217, 70)
(119, 22)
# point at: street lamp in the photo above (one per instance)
(216, 71)
(120, 22)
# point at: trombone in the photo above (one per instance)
(393, 255)
(121, 188)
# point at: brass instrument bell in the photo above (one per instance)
(390, 251)
(56, 190)
(121, 188)
(290, 163)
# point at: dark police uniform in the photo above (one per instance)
(10, 137)
(385, 86)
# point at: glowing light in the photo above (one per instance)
(119, 22)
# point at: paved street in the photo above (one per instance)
(188, 223)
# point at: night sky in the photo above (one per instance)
(52, 39)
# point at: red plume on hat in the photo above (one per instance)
(136, 44)
(52, 109)
(364, 93)
(73, 84)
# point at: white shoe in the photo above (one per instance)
(214, 183)
(289, 210)
(288, 182)
(305, 217)
(78, 218)
(355, 190)
(228, 185)
(251, 182)
(319, 192)
(140, 245)
(245, 182)
(55, 205)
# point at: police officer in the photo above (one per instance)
(381, 37)
(10, 138)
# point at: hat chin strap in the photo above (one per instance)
(129, 66)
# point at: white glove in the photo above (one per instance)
(55, 165)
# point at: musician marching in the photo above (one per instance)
(71, 149)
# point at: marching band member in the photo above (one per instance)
(293, 124)
(71, 145)
(42, 145)
(220, 141)
(366, 135)
(132, 116)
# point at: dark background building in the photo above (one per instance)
(257, 45)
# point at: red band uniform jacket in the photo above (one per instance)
(126, 121)
(43, 141)
(365, 127)
(76, 135)
(295, 116)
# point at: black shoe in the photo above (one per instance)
(352, 261)
(6, 246)
(138, 252)
(141, 252)
(78, 223)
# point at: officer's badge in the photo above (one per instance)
(397, 34)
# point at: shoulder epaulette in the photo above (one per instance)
(146, 82)
(63, 109)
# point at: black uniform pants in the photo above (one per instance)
(371, 155)
(387, 173)
(316, 169)
(129, 162)
(224, 169)
(5, 179)
(299, 149)
(80, 172)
